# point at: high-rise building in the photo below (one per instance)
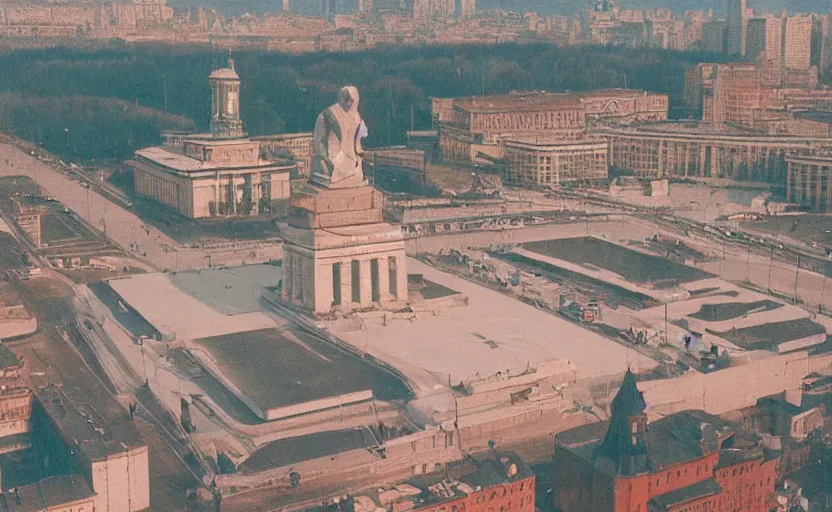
(764, 35)
(713, 36)
(797, 42)
(731, 93)
(736, 27)
(466, 9)
(765, 44)
(426, 10)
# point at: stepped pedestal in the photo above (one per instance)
(339, 255)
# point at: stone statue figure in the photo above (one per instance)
(336, 149)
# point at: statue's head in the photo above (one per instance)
(348, 98)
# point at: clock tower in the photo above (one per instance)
(225, 103)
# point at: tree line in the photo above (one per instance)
(114, 100)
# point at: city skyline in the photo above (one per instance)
(561, 7)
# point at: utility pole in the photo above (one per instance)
(144, 366)
(770, 263)
(665, 323)
(796, 275)
(748, 267)
(483, 78)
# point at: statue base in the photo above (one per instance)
(313, 206)
(339, 254)
(326, 181)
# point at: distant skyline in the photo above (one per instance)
(237, 7)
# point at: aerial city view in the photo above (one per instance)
(416, 255)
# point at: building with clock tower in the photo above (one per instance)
(217, 174)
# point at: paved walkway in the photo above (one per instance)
(494, 333)
(122, 226)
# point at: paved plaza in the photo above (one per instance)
(494, 333)
(201, 303)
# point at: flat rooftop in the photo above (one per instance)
(277, 368)
(617, 93)
(99, 430)
(494, 333)
(176, 160)
(46, 494)
(201, 303)
(292, 450)
(519, 102)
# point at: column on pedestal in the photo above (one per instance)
(383, 279)
(346, 284)
(323, 287)
(308, 277)
(366, 286)
(401, 275)
(286, 291)
(297, 277)
(828, 173)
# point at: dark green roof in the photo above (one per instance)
(7, 358)
(680, 437)
(696, 491)
(628, 401)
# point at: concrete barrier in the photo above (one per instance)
(726, 390)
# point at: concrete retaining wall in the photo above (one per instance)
(729, 389)
(12, 328)
(404, 457)
(318, 405)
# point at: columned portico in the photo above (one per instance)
(341, 254)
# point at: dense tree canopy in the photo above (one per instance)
(46, 89)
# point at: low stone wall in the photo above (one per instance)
(318, 405)
(821, 364)
(404, 457)
(802, 343)
(726, 390)
(12, 328)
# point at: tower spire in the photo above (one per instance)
(625, 443)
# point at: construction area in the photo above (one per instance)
(515, 327)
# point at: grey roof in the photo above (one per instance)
(285, 452)
(483, 470)
(698, 490)
(46, 494)
(224, 74)
(7, 358)
(680, 437)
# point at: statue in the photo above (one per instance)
(336, 147)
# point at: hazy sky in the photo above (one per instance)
(234, 7)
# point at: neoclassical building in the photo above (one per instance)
(555, 164)
(220, 173)
(711, 150)
(540, 139)
(808, 181)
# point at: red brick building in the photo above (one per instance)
(494, 482)
(686, 462)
